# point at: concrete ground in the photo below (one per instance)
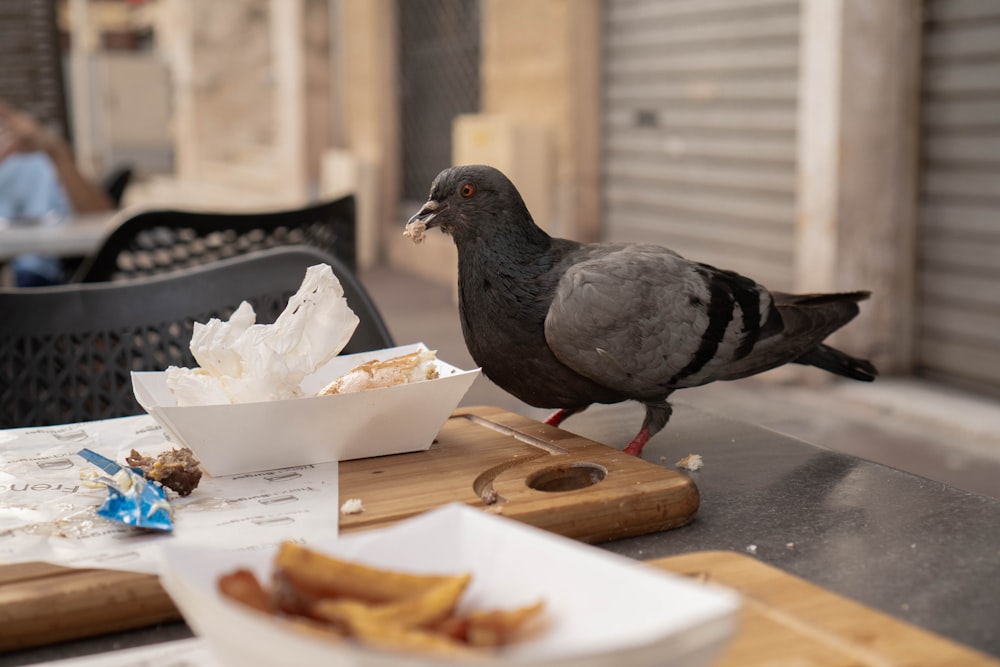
(921, 427)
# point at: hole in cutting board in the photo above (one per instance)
(567, 477)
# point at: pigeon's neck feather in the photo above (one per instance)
(494, 274)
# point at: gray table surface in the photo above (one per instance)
(918, 550)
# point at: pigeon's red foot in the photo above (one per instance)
(638, 442)
(556, 418)
(559, 416)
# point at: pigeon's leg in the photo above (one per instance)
(559, 416)
(657, 416)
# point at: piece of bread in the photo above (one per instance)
(413, 367)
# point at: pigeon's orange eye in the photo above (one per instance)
(468, 190)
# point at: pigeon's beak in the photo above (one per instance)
(426, 215)
(424, 220)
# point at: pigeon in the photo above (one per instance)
(562, 325)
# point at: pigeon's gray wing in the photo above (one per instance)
(642, 320)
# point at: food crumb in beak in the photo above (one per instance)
(415, 231)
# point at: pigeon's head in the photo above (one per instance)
(471, 201)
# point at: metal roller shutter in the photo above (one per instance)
(699, 130)
(958, 319)
(439, 55)
(31, 75)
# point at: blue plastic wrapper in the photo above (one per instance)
(132, 499)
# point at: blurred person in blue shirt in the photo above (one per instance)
(39, 181)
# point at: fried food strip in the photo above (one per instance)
(428, 608)
(500, 626)
(495, 627)
(244, 587)
(409, 640)
(323, 576)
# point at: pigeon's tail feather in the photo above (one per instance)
(835, 361)
(783, 299)
(809, 318)
(806, 320)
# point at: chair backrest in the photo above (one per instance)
(115, 182)
(66, 352)
(162, 240)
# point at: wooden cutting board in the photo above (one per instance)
(785, 621)
(525, 470)
(789, 622)
(485, 457)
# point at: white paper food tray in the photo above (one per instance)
(247, 437)
(602, 609)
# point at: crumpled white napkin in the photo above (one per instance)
(240, 361)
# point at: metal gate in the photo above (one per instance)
(699, 130)
(439, 73)
(31, 76)
(958, 304)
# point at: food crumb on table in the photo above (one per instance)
(751, 548)
(691, 462)
(352, 506)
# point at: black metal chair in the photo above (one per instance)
(158, 241)
(115, 182)
(66, 352)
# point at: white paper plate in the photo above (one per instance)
(603, 609)
(247, 437)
